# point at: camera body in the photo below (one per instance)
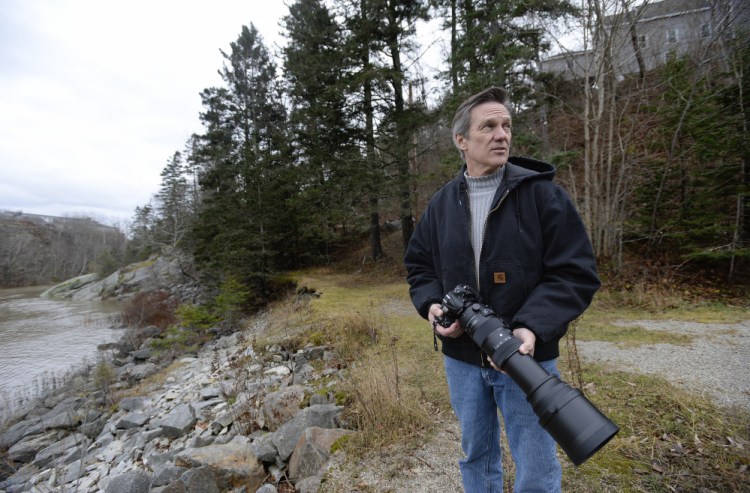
(463, 304)
(564, 412)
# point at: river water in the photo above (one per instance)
(43, 340)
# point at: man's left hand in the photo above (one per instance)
(528, 341)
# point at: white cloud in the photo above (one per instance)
(95, 96)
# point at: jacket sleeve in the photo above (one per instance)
(570, 278)
(422, 274)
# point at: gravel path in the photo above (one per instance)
(715, 363)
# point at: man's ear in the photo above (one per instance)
(460, 141)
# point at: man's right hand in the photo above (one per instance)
(455, 330)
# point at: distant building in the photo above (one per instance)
(647, 36)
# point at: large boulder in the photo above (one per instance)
(26, 449)
(135, 481)
(164, 272)
(321, 416)
(312, 451)
(68, 288)
(178, 422)
(233, 463)
(282, 405)
(58, 449)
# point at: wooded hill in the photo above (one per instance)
(38, 250)
(322, 142)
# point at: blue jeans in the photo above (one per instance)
(476, 394)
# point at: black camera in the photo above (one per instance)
(564, 412)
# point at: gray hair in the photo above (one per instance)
(462, 118)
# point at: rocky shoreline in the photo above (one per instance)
(227, 418)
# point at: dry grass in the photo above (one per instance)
(380, 341)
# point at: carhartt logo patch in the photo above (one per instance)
(499, 277)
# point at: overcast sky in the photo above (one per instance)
(96, 95)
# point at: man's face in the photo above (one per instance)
(487, 146)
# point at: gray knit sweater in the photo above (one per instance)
(481, 192)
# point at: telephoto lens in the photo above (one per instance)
(564, 412)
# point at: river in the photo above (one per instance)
(43, 340)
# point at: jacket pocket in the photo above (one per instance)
(506, 286)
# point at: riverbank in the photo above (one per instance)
(227, 418)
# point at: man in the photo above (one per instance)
(502, 226)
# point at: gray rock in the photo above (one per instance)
(312, 451)
(222, 421)
(135, 481)
(15, 433)
(304, 374)
(73, 473)
(68, 288)
(57, 449)
(149, 435)
(65, 420)
(141, 354)
(285, 439)
(267, 488)
(26, 449)
(165, 474)
(159, 459)
(299, 359)
(175, 487)
(150, 332)
(178, 422)
(313, 353)
(111, 451)
(132, 420)
(139, 372)
(232, 463)
(90, 415)
(134, 403)
(212, 392)
(93, 429)
(225, 438)
(200, 480)
(281, 406)
(201, 405)
(66, 405)
(308, 485)
(201, 441)
(264, 448)
(220, 458)
(318, 399)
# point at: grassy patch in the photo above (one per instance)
(669, 439)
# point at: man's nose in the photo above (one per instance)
(500, 134)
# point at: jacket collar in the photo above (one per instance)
(519, 169)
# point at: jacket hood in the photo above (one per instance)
(519, 169)
(525, 166)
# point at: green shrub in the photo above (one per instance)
(196, 317)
